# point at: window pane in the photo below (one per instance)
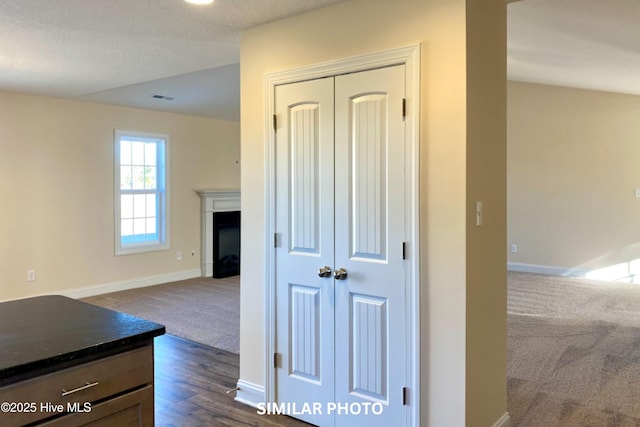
(138, 177)
(150, 178)
(125, 177)
(126, 206)
(137, 153)
(151, 227)
(151, 205)
(126, 227)
(150, 154)
(125, 152)
(139, 206)
(139, 226)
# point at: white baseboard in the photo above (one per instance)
(140, 282)
(250, 394)
(504, 421)
(545, 269)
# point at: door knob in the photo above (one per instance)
(340, 274)
(324, 271)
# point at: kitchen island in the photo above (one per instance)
(65, 362)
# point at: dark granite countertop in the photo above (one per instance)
(47, 333)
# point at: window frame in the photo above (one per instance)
(163, 211)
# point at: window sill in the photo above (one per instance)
(139, 249)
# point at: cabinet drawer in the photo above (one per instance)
(131, 409)
(88, 382)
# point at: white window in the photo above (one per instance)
(142, 194)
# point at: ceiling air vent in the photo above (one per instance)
(166, 98)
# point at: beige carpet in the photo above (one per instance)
(574, 298)
(203, 310)
(573, 352)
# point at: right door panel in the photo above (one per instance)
(371, 361)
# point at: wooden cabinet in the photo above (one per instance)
(64, 362)
(114, 390)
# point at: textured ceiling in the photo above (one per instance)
(124, 51)
(591, 44)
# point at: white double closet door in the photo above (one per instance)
(340, 206)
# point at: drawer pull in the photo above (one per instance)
(75, 390)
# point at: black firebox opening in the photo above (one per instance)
(226, 244)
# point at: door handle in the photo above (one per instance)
(324, 271)
(64, 392)
(340, 274)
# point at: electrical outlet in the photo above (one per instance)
(179, 255)
(514, 249)
(31, 275)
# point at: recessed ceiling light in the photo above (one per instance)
(199, 1)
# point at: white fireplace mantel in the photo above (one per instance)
(213, 201)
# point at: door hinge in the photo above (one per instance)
(277, 360)
(404, 108)
(276, 240)
(275, 122)
(404, 250)
(405, 396)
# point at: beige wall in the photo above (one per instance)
(56, 191)
(365, 26)
(486, 182)
(573, 167)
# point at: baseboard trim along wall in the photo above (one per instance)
(545, 269)
(504, 421)
(140, 282)
(250, 394)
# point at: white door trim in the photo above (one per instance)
(410, 57)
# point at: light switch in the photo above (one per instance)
(637, 193)
(479, 214)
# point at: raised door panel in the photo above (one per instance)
(304, 318)
(369, 347)
(368, 149)
(304, 172)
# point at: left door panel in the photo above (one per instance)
(305, 228)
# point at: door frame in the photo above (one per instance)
(410, 57)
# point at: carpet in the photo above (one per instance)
(573, 352)
(573, 298)
(204, 310)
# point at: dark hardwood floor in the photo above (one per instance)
(191, 381)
